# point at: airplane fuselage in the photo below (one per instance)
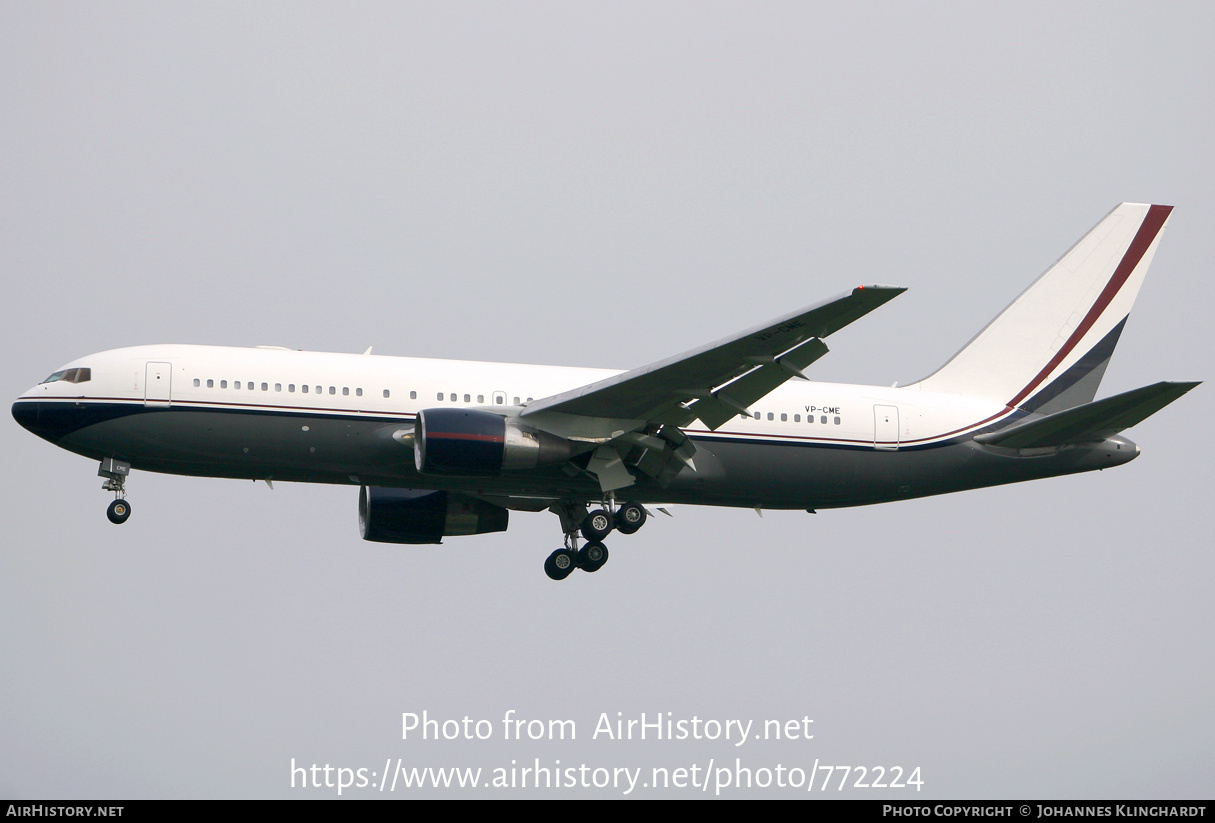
(285, 415)
(446, 448)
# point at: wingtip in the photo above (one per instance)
(878, 291)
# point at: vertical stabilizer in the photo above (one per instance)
(1048, 350)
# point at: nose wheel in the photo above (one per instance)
(119, 511)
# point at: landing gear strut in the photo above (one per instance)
(595, 526)
(115, 472)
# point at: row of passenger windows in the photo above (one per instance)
(82, 375)
(250, 385)
(454, 397)
(797, 418)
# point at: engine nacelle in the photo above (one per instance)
(420, 516)
(470, 442)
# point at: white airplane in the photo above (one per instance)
(442, 447)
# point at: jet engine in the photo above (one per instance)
(422, 516)
(469, 442)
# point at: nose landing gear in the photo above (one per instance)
(115, 472)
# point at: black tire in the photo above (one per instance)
(630, 517)
(592, 556)
(118, 512)
(560, 564)
(597, 525)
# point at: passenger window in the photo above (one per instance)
(223, 384)
(345, 391)
(197, 382)
(467, 399)
(480, 398)
(440, 395)
(837, 421)
(770, 416)
(823, 420)
(291, 387)
(784, 418)
(236, 385)
(358, 392)
(304, 388)
(265, 387)
(413, 395)
(278, 386)
(385, 392)
(797, 418)
(332, 389)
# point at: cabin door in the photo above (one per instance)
(886, 427)
(156, 380)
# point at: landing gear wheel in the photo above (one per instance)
(119, 511)
(630, 517)
(560, 563)
(592, 556)
(597, 525)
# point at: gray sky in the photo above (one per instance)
(599, 185)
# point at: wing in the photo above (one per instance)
(779, 350)
(634, 417)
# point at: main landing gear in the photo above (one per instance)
(115, 472)
(594, 527)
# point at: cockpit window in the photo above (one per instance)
(71, 376)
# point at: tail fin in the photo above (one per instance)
(1048, 350)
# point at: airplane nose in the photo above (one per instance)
(43, 420)
(26, 413)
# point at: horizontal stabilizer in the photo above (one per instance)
(1091, 422)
